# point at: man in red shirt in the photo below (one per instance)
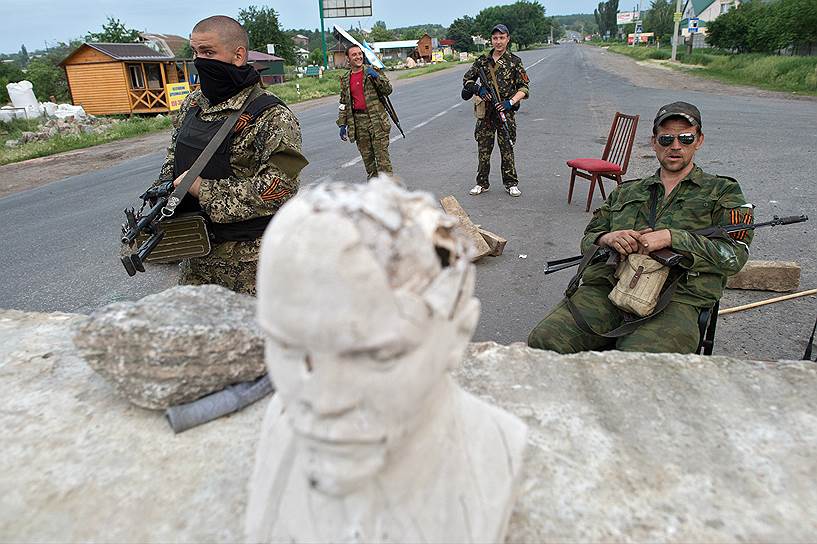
(362, 118)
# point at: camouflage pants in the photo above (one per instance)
(484, 134)
(674, 330)
(373, 144)
(238, 276)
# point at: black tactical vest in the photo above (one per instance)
(193, 137)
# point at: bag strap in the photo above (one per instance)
(189, 178)
(629, 325)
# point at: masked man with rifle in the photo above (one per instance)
(362, 116)
(251, 174)
(503, 82)
(664, 211)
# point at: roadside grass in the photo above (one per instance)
(310, 87)
(128, 128)
(772, 72)
(415, 72)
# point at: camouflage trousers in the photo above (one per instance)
(484, 134)
(373, 144)
(674, 330)
(236, 275)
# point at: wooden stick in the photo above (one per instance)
(767, 301)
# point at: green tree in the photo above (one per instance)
(658, 19)
(9, 73)
(22, 57)
(751, 27)
(798, 19)
(380, 33)
(48, 80)
(461, 31)
(605, 16)
(186, 52)
(525, 20)
(114, 31)
(316, 56)
(261, 23)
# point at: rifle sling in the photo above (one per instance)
(809, 346)
(198, 165)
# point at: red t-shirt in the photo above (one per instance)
(356, 90)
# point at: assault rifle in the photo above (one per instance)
(493, 99)
(667, 256)
(184, 235)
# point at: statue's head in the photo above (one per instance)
(365, 295)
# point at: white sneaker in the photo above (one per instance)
(478, 190)
(514, 191)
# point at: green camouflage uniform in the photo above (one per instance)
(369, 129)
(510, 78)
(699, 201)
(266, 160)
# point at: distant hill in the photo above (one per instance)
(580, 22)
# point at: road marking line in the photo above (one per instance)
(535, 63)
(409, 131)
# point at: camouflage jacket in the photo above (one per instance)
(374, 108)
(699, 201)
(510, 74)
(265, 157)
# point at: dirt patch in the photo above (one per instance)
(657, 75)
(20, 176)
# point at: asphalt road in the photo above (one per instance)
(60, 242)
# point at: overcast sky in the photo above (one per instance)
(33, 22)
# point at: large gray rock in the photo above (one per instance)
(174, 346)
(623, 447)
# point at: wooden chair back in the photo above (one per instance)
(620, 140)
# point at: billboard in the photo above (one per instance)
(346, 8)
(626, 17)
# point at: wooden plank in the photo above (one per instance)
(452, 207)
(495, 242)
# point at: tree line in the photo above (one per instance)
(766, 27)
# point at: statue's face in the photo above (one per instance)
(357, 371)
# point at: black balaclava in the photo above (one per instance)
(220, 80)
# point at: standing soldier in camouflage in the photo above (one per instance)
(687, 199)
(252, 173)
(507, 75)
(362, 118)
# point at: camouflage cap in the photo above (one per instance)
(677, 109)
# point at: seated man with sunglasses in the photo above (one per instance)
(677, 200)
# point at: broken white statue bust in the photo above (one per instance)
(365, 295)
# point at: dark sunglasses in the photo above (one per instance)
(665, 140)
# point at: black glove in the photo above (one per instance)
(469, 90)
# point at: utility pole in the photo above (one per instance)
(677, 18)
(323, 34)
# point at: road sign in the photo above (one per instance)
(677, 16)
(346, 8)
(639, 28)
(693, 25)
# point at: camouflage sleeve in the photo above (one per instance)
(343, 103)
(266, 160)
(472, 74)
(522, 79)
(718, 255)
(383, 84)
(600, 224)
(166, 171)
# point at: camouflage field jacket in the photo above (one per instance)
(374, 108)
(510, 74)
(699, 201)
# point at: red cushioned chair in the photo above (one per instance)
(614, 160)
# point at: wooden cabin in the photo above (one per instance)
(269, 67)
(110, 78)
